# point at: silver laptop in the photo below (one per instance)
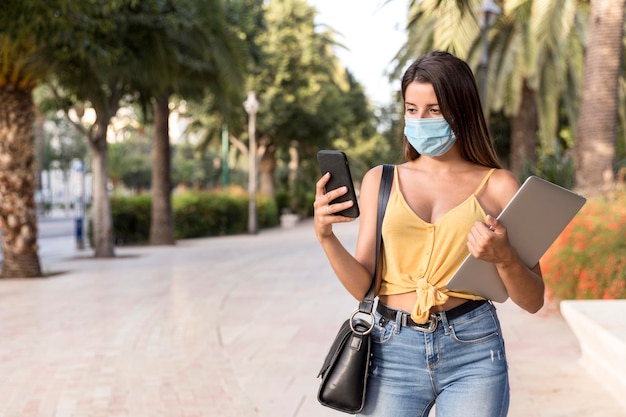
(534, 218)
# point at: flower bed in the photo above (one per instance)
(588, 260)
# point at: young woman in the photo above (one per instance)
(432, 345)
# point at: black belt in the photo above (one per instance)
(390, 313)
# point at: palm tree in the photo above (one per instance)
(162, 216)
(17, 157)
(537, 65)
(534, 54)
(199, 56)
(24, 25)
(596, 128)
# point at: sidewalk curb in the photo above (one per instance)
(600, 327)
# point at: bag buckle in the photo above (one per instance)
(370, 322)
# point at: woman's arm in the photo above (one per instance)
(489, 242)
(354, 272)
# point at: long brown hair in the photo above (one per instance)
(459, 101)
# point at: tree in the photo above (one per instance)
(126, 51)
(300, 85)
(94, 64)
(304, 93)
(200, 57)
(25, 27)
(17, 184)
(162, 215)
(537, 68)
(596, 128)
(534, 67)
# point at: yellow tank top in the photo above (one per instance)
(420, 256)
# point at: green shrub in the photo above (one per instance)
(131, 218)
(196, 214)
(267, 211)
(283, 201)
(300, 202)
(588, 260)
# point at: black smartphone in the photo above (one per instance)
(336, 162)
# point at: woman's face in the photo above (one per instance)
(421, 101)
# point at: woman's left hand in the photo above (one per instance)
(489, 242)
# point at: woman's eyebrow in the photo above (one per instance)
(408, 103)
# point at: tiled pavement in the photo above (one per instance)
(231, 326)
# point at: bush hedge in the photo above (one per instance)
(588, 260)
(196, 214)
(131, 218)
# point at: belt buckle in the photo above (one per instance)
(430, 326)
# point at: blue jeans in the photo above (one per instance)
(461, 367)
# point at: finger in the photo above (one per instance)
(321, 183)
(470, 248)
(338, 207)
(333, 194)
(478, 239)
(492, 223)
(474, 247)
(471, 241)
(337, 218)
(479, 231)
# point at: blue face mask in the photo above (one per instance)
(430, 136)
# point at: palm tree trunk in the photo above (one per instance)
(524, 132)
(161, 223)
(18, 210)
(102, 217)
(596, 127)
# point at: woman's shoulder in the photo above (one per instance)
(371, 180)
(504, 180)
(373, 174)
(501, 187)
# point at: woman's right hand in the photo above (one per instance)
(323, 211)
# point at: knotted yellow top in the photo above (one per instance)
(420, 256)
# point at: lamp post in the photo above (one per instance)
(225, 172)
(490, 11)
(252, 106)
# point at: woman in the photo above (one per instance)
(432, 345)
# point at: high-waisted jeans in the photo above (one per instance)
(461, 367)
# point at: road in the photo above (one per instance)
(55, 227)
(56, 237)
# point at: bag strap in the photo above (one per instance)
(367, 305)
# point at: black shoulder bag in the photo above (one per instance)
(346, 368)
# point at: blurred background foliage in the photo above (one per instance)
(203, 56)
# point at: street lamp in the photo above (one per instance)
(252, 106)
(490, 11)
(225, 173)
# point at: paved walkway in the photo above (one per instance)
(231, 326)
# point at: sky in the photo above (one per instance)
(373, 31)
